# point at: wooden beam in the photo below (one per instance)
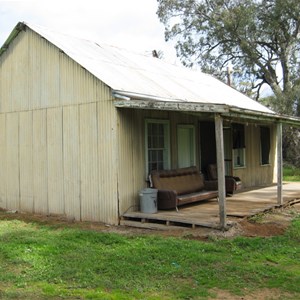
(170, 105)
(221, 169)
(279, 164)
(243, 114)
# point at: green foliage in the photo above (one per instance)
(260, 39)
(41, 262)
(291, 173)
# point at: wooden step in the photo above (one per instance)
(154, 226)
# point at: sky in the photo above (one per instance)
(130, 24)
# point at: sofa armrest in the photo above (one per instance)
(230, 184)
(166, 199)
(237, 179)
(211, 185)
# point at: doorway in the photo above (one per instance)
(186, 145)
(208, 146)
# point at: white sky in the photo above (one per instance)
(130, 24)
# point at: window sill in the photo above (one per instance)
(239, 167)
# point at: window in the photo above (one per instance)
(239, 157)
(157, 145)
(265, 145)
(238, 145)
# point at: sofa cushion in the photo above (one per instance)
(212, 172)
(183, 181)
(194, 197)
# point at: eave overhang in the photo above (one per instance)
(18, 28)
(135, 101)
(261, 116)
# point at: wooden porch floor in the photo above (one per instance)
(206, 214)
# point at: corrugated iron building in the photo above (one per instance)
(72, 123)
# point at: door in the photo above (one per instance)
(208, 152)
(186, 145)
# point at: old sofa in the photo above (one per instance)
(181, 186)
(232, 183)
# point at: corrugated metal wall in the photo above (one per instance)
(131, 159)
(26, 160)
(3, 161)
(255, 174)
(58, 134)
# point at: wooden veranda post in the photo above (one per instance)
(221, 169)
(279, 164)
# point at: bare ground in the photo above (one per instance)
(271, 223)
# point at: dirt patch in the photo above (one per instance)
(267, 229)
(261, 294)
(271, 223)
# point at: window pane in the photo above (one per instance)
(161, 141)
(155, 129)
(160, 129)
(158, 155)
(160, 166)
(149, 129)
(152, 166)
(152, 156)
(239, 157)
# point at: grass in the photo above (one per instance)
(291, 173)
(54, 262)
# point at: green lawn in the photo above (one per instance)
(291, 173)
(55, 262)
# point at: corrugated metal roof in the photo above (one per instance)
(128, 72)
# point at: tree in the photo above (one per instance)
(261, 38)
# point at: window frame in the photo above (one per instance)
(166, 150)
(238, 145)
